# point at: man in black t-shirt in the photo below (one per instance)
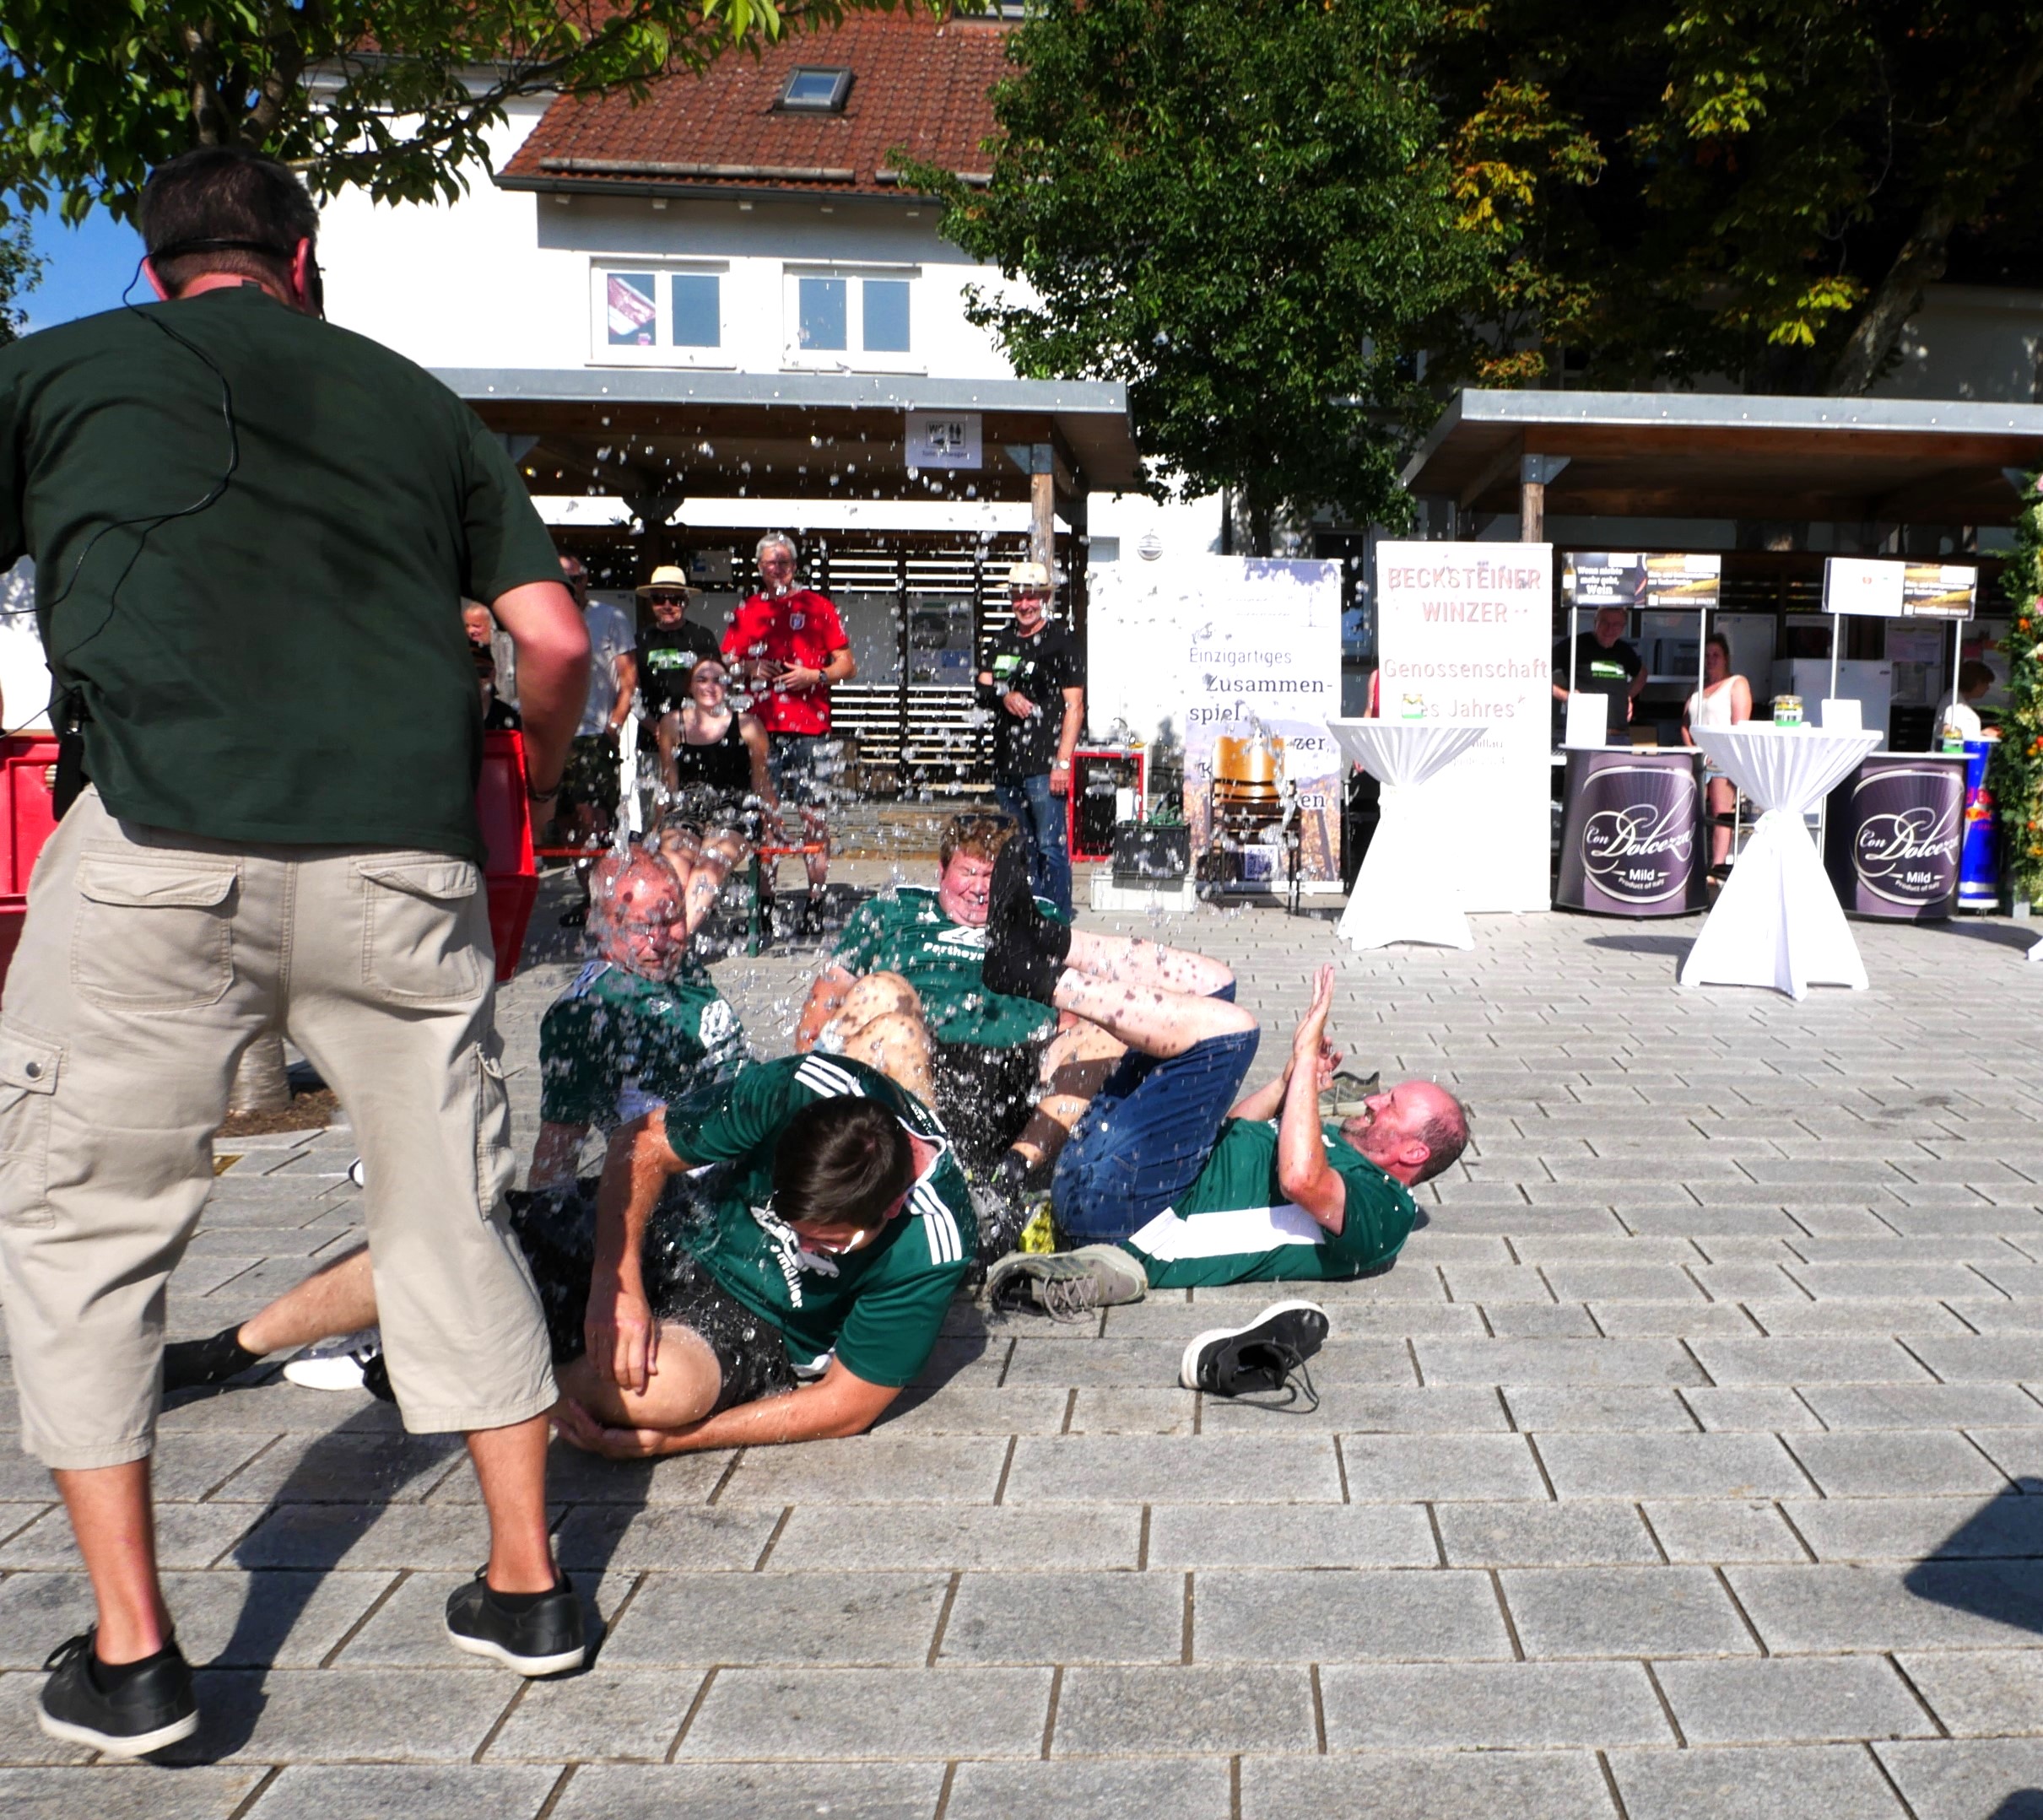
(667, 657)
(1605, 664)
(1034, 685)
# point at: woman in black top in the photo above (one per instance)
(718, 791)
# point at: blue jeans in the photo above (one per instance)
(1041, 816)
(1146, 1136)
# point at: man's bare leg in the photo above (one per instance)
(898, 1046)
(115, 1524)
(1122, 960)
(683, 1390)
(511, 1468)
(339, 1299)
(1073, 1067)
(1155, 1020)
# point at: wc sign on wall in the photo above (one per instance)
(1465, 631)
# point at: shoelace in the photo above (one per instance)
(1069, 1299)
(1301, 1395)
(67, 1652)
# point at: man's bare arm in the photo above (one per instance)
(837, 1404)
(553, 651)
(1303, 1172)
(1266, 1102)
(622, 1336)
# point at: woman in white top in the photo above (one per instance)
(1723, 700)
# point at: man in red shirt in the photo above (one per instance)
(787, 645)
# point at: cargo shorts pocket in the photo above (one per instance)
(421, 941)
(28, 1068)
(153, 932)
(494, 1166)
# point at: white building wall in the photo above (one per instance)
(1980, 342)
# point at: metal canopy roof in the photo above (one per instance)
(1692, 455)
(645, 433)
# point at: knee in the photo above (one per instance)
(880, 995)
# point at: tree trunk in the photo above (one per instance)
(1923, 255)
(260, 1084)
(1261, 517)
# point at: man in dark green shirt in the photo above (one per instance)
(253, 533)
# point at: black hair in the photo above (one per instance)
(841, 1162)
(224, 208)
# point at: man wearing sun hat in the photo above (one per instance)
(669, 652)
(1034, 685)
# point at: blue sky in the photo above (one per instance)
(84, 269)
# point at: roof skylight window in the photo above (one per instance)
(815, 91)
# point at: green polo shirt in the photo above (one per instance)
(288, 662)
(907, 931)
(615, 1044)
(1235, 1224)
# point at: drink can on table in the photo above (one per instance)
(1978, 861)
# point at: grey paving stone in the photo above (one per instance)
(1986, 1358)
(606, 1712)
(350, 1792)
(367, 1536)
(1944, 1604)
(1490, 1706)
(872, 1469)
(1624, 1611)
(1543, 1535)
(22, 1740)
(128, 1792)
(965, 1409)
(1963, 1780)
(1817, 1781)
(1557, 1362)
(187, 1535)
(1638, 1321)
(952, 1536)
(610, 1536)
(1427, 1785)
(1718, 1530)
(1215, 1469)
(837, 1714)
(2018, 1452)
(1793, 1700)
(1833, 1281)
(1670, 1465)
(1748, 1408)
(1541, 1320)
(2001, 1317)
(1289, 1536)
(1899, 1462)
(1356, 1617)
(747, 1791)
(1832, 1359)
(1184, 1711)
(1097, 1409)
(1871, 1529)
(1923, 1406)
(1799, 1319)
(1400, 1467)
(1982, 1692)
(1496, 1283)
(810, 1619)
(1375, 1408)
(1082, 1788)
(1545, 1408)
(338, 1714)
(1065, 1618)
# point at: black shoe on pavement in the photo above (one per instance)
(532, 1633)
(125, 1709)
(1024, 950)
(1266, 1355)
(190, 1364)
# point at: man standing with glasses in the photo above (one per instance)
(1035, 686)
(787, 646)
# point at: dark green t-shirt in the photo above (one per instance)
(906, 931)
(1235, 1224)
(287, 664)
(880, 1307)
(615, 1044)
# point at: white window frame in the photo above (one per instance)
(855, 358)
(663, 352)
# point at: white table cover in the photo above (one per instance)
(1405, 891)
(1777, 922)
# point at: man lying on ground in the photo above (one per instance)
(1009, 1084)
(641, 1024)
(1169, 1178)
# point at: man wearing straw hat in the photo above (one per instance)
(667, 657)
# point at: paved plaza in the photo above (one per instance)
(1685, 1465)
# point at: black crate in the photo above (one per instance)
(1147, 853)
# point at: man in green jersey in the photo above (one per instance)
(640, 1025)
(1008, 1082)
(789, 1288)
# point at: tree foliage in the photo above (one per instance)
(1243, 209)
(1758, 189)
(2017, 760)
(396, 96)
(19, 270)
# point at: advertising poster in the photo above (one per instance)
(1465, 631)
(1629, 579)
(1190, 652)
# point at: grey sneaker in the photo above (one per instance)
(1067, 1285)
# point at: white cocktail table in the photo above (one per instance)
(1406, 890)
(1777, 922)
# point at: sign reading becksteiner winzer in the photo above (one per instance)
(1465, 631)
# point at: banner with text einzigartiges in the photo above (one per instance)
(1465, 631)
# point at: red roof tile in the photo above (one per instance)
(916, 84)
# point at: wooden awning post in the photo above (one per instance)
(1534, 472)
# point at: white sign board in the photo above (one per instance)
(1188, 650)
(940, 439)
(1867, 586)
(1465, 631)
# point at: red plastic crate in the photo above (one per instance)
(28, 775)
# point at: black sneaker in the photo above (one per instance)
(542, 1636)
(1267, 1354)
(150, 1706)
(193, 1364)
